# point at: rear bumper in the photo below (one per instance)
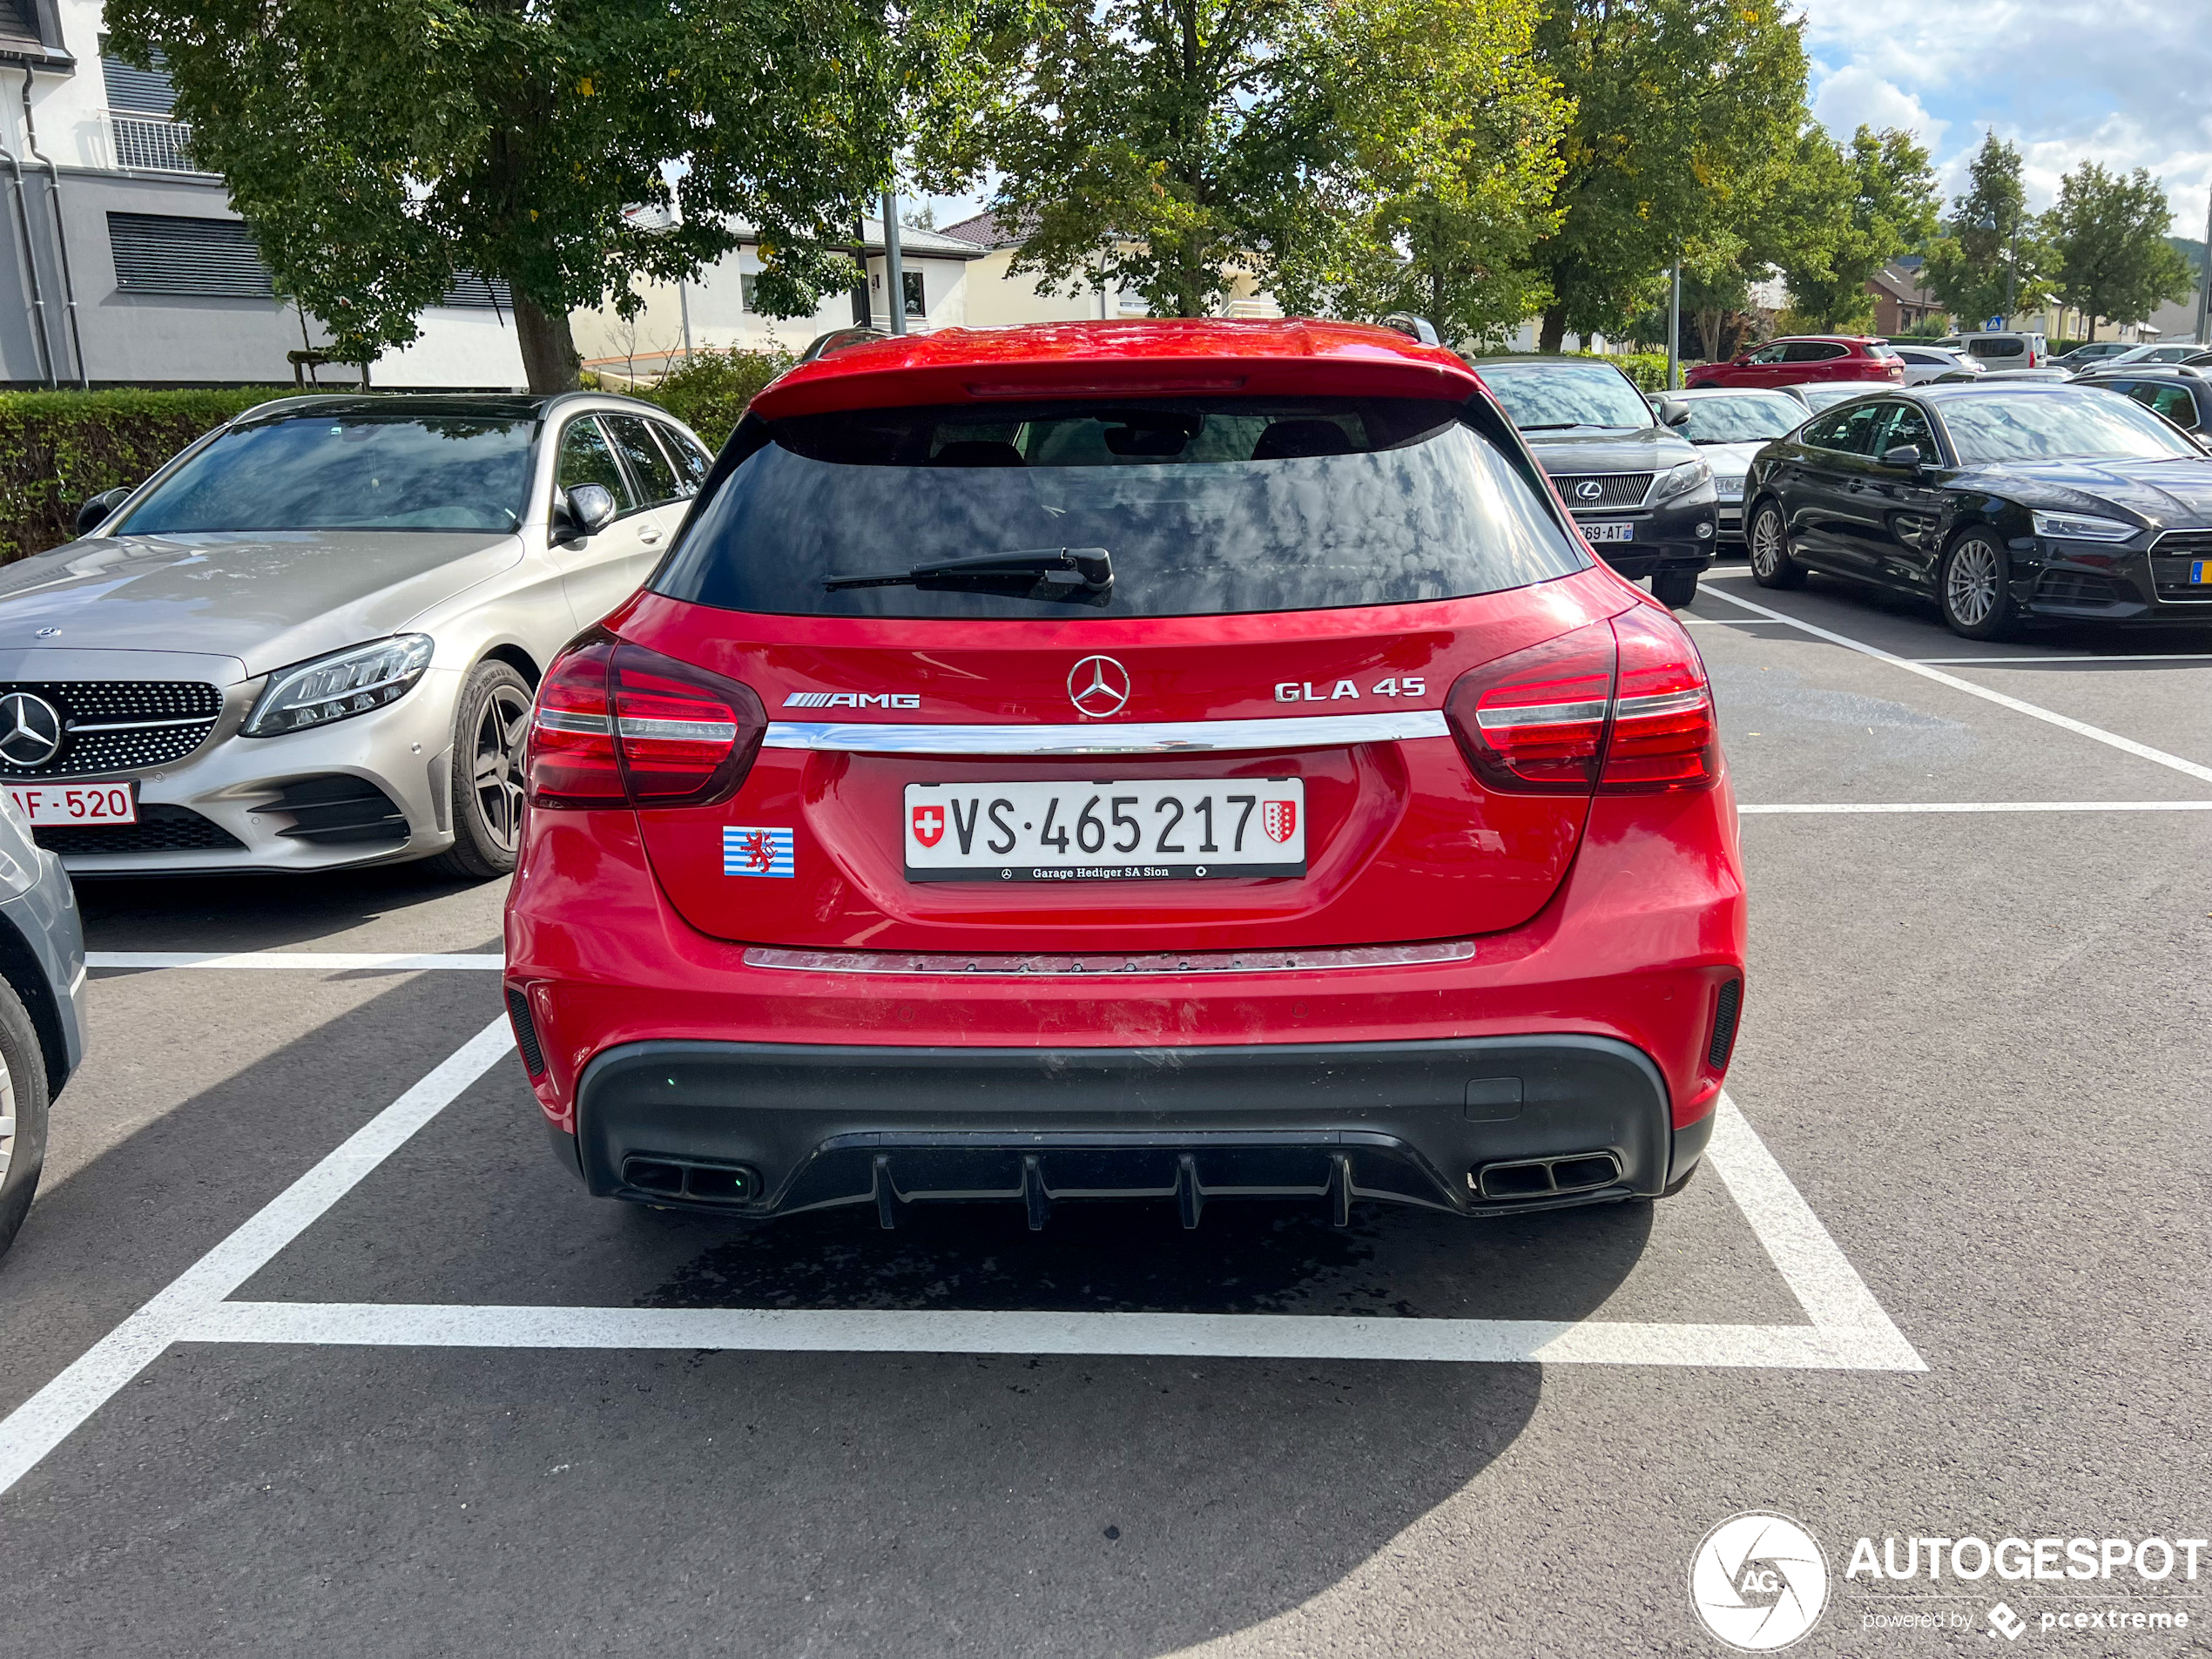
(1479, 1126)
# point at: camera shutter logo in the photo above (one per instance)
(30, 730)
(1759, 1582)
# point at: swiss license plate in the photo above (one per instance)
(44, 804)
(1189, 830)
(1612, 532)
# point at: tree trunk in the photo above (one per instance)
(548, 350)
(1553, 335)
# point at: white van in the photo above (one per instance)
(2002, 350)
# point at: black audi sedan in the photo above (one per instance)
(1642, 495)
(2004, 503)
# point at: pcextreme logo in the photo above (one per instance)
(1759, 1582)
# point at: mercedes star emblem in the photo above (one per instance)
(1098, 687)
(1588, 489)
(30, 730)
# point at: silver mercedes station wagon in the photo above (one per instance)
(311, 639)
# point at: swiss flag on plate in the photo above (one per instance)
(1279, 819)
(929, 825)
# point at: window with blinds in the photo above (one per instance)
(141, 91)
(160, 254)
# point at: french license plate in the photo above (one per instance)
(1189, 830)
(1612, 532)
(44, 804)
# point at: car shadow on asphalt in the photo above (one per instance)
(386, 907)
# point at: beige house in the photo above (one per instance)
(997, 298)
(715, 312)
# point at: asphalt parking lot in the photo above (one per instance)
(309, 1344)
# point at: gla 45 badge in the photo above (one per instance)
(1304, 692)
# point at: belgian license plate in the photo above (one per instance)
(1188, 830)
(1612, 532)
(49, 804)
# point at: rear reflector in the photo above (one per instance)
(1621, 707)
(616, 723)
(1726, 1007)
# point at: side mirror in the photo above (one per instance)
(95, 512)
(1901, 455)
(1674, 411)
(585, 509)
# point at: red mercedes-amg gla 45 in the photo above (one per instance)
(1179, 761)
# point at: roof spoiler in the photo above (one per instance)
(840, 340)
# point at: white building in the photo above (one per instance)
(135, 270)
(998, 299)
(714, 311)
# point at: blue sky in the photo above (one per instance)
(2127, 83)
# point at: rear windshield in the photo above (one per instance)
(1200, 507)
(323, 472)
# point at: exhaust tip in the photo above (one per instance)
(1547, 1177)
(700, 1182)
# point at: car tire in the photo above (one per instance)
(1974, 587)
(1767, 546)
(23, 1111)
(1677, 590)
(489, 725)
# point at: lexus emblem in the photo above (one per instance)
(30, 730)
(1588, 489)
(1098, 687)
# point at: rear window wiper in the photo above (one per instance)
(1079, 573)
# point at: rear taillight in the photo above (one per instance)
(1663, 734)
(618, 724)
(1532, 722)
(1620, 707)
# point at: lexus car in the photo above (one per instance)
(1642, 496)
(1164, 760)
(2004, 503)
(311, 639)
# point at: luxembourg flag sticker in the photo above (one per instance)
(748, 850)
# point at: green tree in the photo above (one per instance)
(1454, 130)
(1877, 200)
(378, 151)
(1167, 145)
(1991, 259)
(1681, 108)
(2108, 240)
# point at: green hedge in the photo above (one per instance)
(58, 448)
(709, 393)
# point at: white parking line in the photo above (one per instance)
(1849, 1330)
(1853, 806)
(312, 961)
(2063, 656)
(2143, 751)
(49, 1416)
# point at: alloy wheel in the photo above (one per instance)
(7, 1119)
(1970, 589)
(497, 764)
(1766, 538)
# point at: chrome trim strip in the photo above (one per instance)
(1111, 965)
(148, 726)
(1161, 737)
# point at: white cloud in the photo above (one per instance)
(1855, 96)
